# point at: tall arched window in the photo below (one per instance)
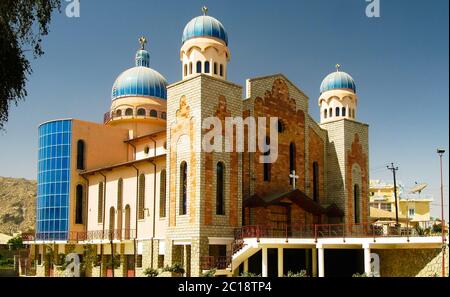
(162, 194)
(80, 154)
(207, 67)
(221, 69)
(354, 113)
(190, 68)
(325, 113)
(141, 112)
(343, 111)
(356, 202)
(153, 113)
(127, 221)
(79, 205)
(183, 188)
(129, 112)
(100, 202)
(315, 181)
(330, 113)
(118, 113)
(266, 165)
(337, 111)
(220, 189)
(199, 67)
(215, 68)
(185, 70)
(281, 127)
(291, 159)
(112, 218)
(141, 197)
(119, 203)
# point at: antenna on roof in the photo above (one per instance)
(418, 188)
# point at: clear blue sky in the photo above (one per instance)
(400, 63)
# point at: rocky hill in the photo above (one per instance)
(17, 205)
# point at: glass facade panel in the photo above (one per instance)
(52, 209)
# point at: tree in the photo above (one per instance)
(23, 23)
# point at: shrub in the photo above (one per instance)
(302, 273)
(175, 268)
(151, 272)
(249, 274)
(209, 273)
(359, 275)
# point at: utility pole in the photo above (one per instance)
(394, 169)
(441, 153)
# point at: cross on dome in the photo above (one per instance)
(143, 42)
(338, 67)
(205, 10)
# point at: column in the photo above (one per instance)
(321, 261)
(280, 263)
(246, 265)
(264, 262)
(367, 269)
(314, 262)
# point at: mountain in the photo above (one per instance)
(17, 205)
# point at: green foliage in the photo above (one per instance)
(359, 275)
(302, 273)
(175, 268)
(249, 274)
(437, 228)
(16, 243)
(209, 273)
(23, 23)
(151, 272)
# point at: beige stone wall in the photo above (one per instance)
(411, 262)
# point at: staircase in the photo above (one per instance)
(243, 249)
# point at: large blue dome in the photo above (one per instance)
(337, 80)
(140, 80)
(205, 26)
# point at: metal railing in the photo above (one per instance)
(215, 262)
(117, 234)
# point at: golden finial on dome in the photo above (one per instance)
(338, 67)
(143, 42)
(205, 10)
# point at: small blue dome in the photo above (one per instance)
(337, 80)
(205, 26)
(140, 80)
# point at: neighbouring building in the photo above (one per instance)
(138, 191)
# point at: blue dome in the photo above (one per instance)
(337, 80)
(140, 80)
(205, 26)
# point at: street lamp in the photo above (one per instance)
(441, 153)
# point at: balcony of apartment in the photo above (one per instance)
(134, 113)
(81, 237)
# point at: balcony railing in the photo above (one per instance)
(117, 234)
(214, 262)
(330, 231)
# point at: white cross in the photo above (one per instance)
(294, 178)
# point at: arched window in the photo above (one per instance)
(291, 160)
(266, 165)
(127, 222)
(325, 113)
(129, 112)
(118, 113)
(185, 70)
(162, 194)
(119, 203)
(112, 218)
(356, 202)
(215, 68)
(220, 189)
(141, 197)
(330, 113)
(153, 113)
(315, 181)
(80, 154)
(207, 67)
(100, 202)
(343, 111)
(163, 115)
(141, 112)
(221, 69)
(190, 68)
(183, 188)
(337, 111)
(199, 67)
(79, 205)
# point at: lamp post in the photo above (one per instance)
(441, 153)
